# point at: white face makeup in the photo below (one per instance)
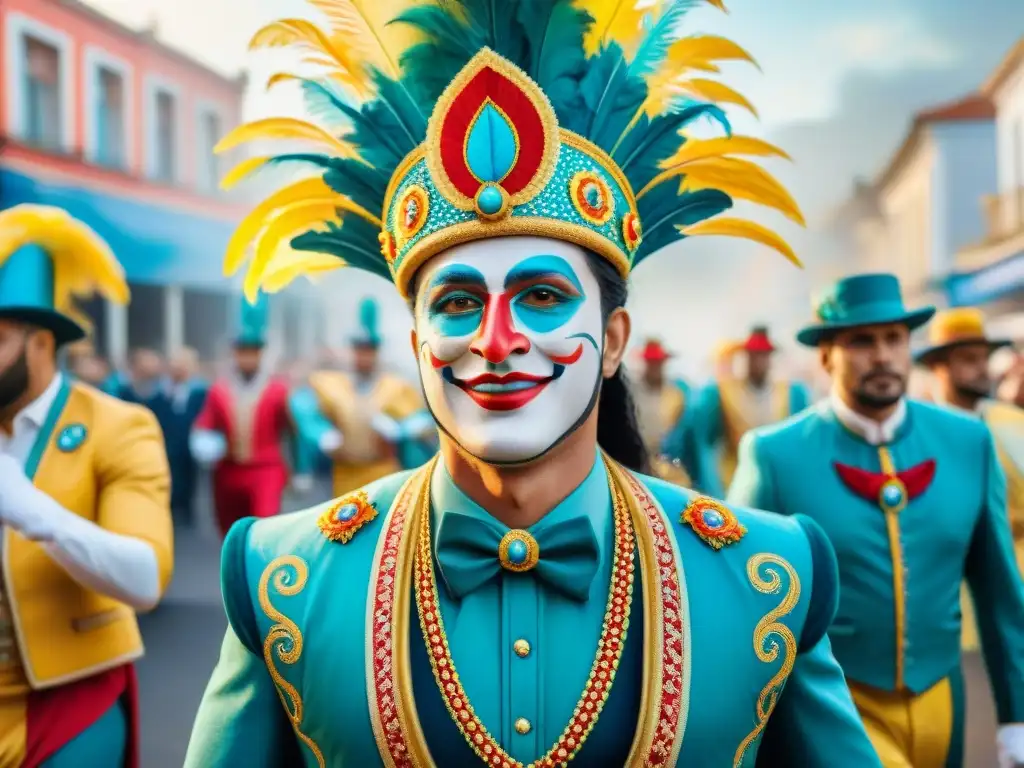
(509, 333)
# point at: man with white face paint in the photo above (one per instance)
(529, 596)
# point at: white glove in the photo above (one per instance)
(208, 447)
(302, 483)
(330, 441)
(386, 427)
(1010, 745)
(118, 566)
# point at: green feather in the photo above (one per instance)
(663, 209)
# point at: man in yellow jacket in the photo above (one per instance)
(84, 510)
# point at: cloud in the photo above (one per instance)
(887, 44)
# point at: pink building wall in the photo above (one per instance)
(147, 59)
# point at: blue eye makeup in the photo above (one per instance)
(548, 293)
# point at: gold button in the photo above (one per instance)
(522, 648)
(523, 726)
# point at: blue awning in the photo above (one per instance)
(157, 245)
(987, 284)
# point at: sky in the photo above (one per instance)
(837, 87)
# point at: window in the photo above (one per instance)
(110, 122)
(210, 129)
(166, 115)
(43, 109)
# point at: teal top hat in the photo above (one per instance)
(47, 260)
(368, 334)
(254, 317)
(861, 300)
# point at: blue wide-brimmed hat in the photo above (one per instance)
(48, 260)
(861, 300)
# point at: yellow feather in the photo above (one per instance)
(614, 20)
(740, 179)
(290, 222)
(364, 26)
(288, 265)
(716, 92)
(701, 50)
(245, 168)
(699, 149)
(748, 230)
(287, 128)
(719, 5)
(83, 263)
(306, 35)
(256, 219)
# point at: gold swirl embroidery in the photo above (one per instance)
(285, 639)
(765, 646)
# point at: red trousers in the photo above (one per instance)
(247, 490)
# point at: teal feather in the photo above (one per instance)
(653, 49)
(350, 242)
(663, 209)
(364, 184)
(448, 45)
(612, 96)
(651, 141)
(554, 30)
(379, 144)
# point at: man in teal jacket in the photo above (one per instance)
(913, 499)
(529, 597)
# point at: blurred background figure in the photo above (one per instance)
(727, 408)
(185, 394)
(244, 427)
(661, 405)
(369, 422)
(145, 383)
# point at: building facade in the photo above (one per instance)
(989, 271)
(119, 129)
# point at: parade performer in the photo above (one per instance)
(729, 407)
(84, 504)
(661, 413)
(244, 427)
(475, 611)
(185, 398)
(958, 358)
(368, 421)
(914, 501)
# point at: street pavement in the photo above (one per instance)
(183, 639)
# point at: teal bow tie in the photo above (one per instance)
(467, 553)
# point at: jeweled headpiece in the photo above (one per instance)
(478, 118)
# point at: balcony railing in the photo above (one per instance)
(1004, 214)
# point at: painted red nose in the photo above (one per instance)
(498, 337)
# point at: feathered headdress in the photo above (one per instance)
(48, 261)
(446, 121)
(253, 320)
(368, 334)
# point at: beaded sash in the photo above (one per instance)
(666, 655)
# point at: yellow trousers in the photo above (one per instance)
(909, 730)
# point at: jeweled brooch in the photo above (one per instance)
(344, 517)
(713, 522)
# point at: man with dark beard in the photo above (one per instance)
(913, 499)
(84, 510)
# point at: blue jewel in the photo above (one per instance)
(892, 495)
(71, 437)
(713, 518)
(490, 200)
(594, 196)
(347, 512)
(517, 552)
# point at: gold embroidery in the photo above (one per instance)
(892, 528)
(767, 649)
(285, 638)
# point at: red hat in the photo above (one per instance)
(653, 352)
(758, 341)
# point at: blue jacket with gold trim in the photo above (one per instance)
(708, 625)
(909, 521)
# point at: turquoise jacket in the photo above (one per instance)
(900, 571)
(708, 431)
(728, 657)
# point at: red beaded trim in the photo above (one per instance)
(673, 692)
(385, 683)
(602, 673)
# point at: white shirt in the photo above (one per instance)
(874, 432)
(28, 422)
